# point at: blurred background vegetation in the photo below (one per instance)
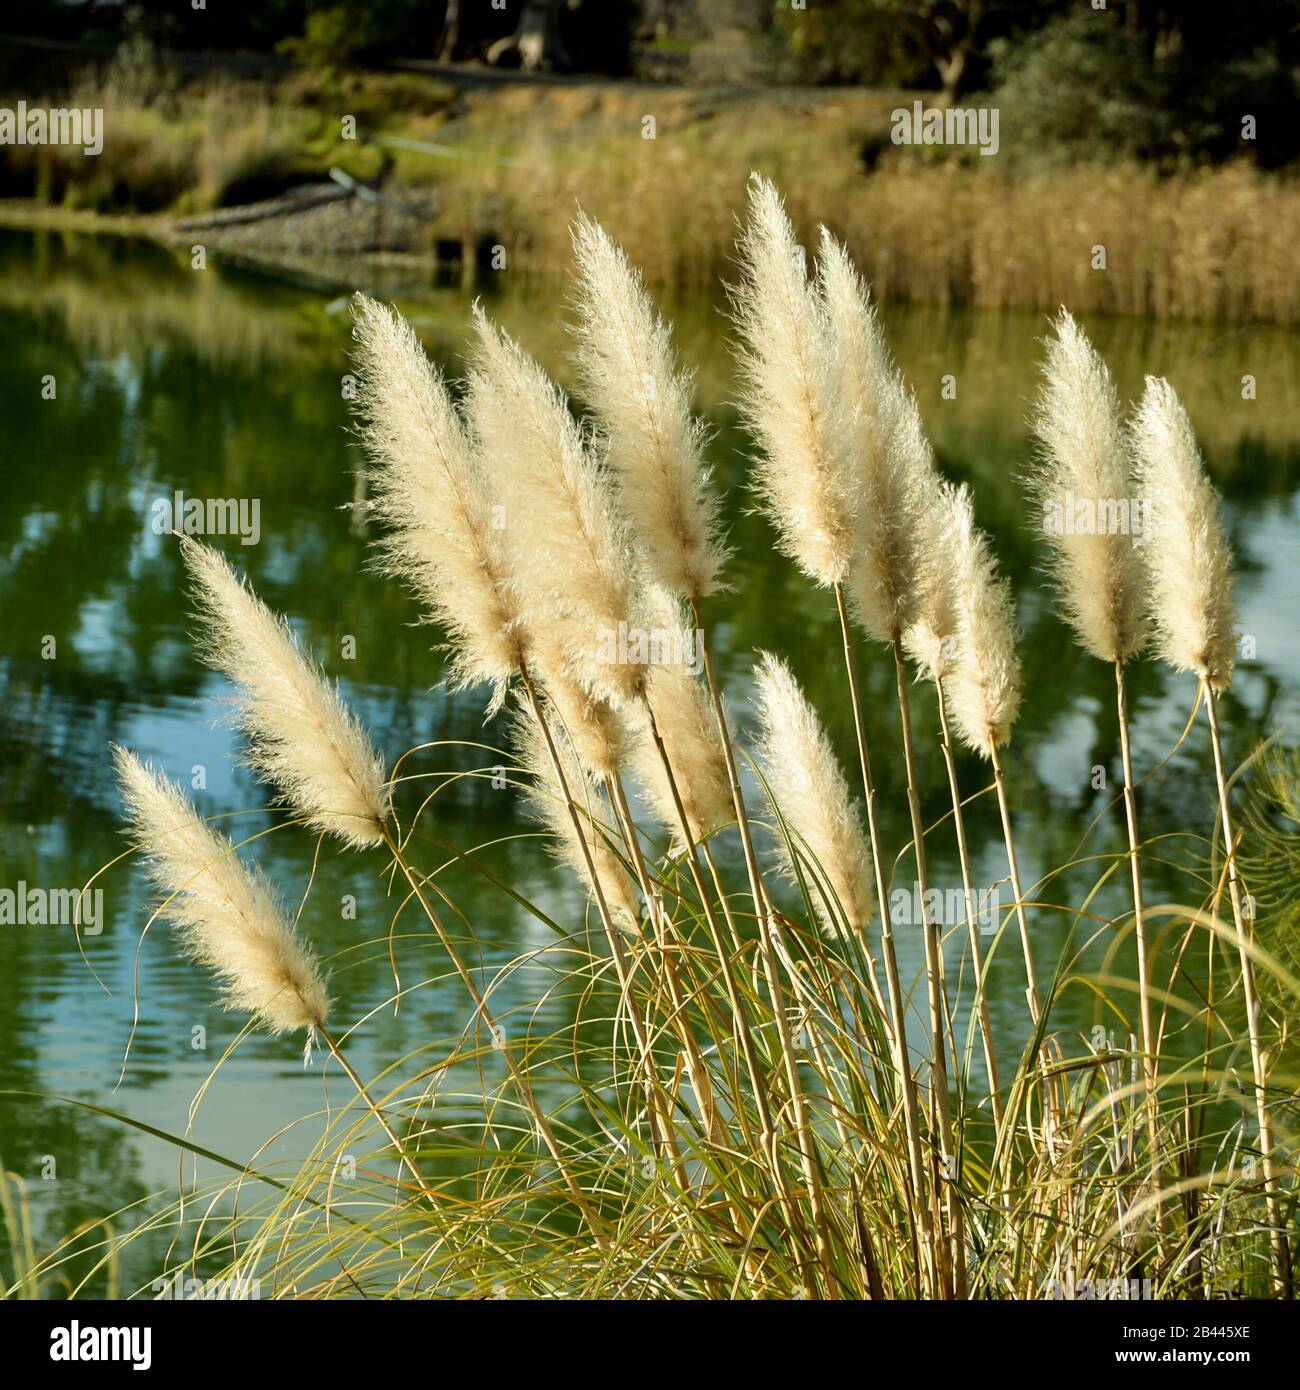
(1143, 77)
(1163, 133)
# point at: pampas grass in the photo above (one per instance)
(888, 462)
(573, 558)
(642, 401)
(569, 549)
(1084, 469)
(302, 738)
(306, 742)
(1190, 570)
(579, 571)
(931, 638)
(442, 511)
(429, 494)
(731, 1114)
(685, 758)
(793, 400)
(226, 916)
(592, 855)
(524, 463)
(983, 679)
(789, 394)
(597, 733)
(982, 686)
(808, 789)
(947, 589)
(228, 919)
(641, 398)
(886, 458)
(1189, 558)
(690, 734)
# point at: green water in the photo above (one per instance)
(227, 383)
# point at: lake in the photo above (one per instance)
(126, 376)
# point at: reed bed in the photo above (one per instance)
(1197, 244)
(751, 1101)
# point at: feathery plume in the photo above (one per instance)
(789, 396)
(1189, 558)
(810, 793)
(225, 914)
(593, 726)
(689, 730)
(642, 398)
(1084, 484)
(547, 804)
(568, 548)
(302, 737)
(429, 491)
(931, 640)
(886, 455)
(983, 684)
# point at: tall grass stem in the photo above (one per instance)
(1277, 1230)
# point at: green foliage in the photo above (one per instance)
(1081, 85)
(331, 38)
(847, 41)
(1086, 86)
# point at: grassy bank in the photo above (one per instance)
(926, 223)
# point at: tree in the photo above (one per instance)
(955, 34)
(449, 39)
(535, 43)
(944, 43)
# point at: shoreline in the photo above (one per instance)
(1232, 286)
(462, 180)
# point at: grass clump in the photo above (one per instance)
(748, 1099)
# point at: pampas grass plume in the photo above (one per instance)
(225, 914)
(594, 728)
(885, 454)
(429, 492)
(568, 547)
(809, 791)
(547, 803)
(1188, 556)
(1084, 459)
(302, 737)
(788, 393)
(931, 640)
(642, 399)
(689, 729)
(983, 683)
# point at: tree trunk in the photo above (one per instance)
(450, 38)
(952, 70)
(951, 40)
(536, 40)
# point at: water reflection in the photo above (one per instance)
(228, 383)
